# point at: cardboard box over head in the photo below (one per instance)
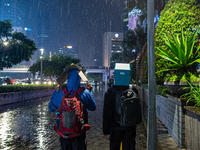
(63, 77)
(122, 74)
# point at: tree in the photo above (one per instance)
(55, 66)
(116, 57)
(139, 4)
(94, 77)
(132, 46)
(142, 4)
(14, 47)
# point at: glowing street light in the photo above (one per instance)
(42, 50)
(41, 57)
(5, 43)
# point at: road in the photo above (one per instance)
(29, 125)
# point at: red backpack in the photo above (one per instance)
(69, 118)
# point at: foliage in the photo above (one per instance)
(94, 77)
(142, 66)
(182, 57)
(18, 49)
(140, 4)
(165, 91)
(130, 40)
(115, 58)
(183, 78)
(140, 32)
(133, 71)
(193, 95)
(177, 14)
(17, 88)
(55, 66)
(129, 43)
(160, 89)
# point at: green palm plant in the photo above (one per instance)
(183, 56)
(193, 95)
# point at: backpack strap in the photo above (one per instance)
(129, 90)
(78, 92)
(65, 92)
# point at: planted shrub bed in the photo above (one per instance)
(31, 87)
(160, 89)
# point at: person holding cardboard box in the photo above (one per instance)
(71, 103)
(121, 111)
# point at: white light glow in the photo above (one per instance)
(4, 127)
(5, 43)
(42, 50)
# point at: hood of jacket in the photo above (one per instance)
(73, 81)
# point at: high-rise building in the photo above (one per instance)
(43, 26)
(125, 17)
(13, 10)
(69, 51)
(112, 43)
(37, 15)
(17, 29)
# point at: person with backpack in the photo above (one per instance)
(121, 110)
(71, 103)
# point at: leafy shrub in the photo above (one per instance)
(183, 78)
(142, 66)
(133, 71)
(193, 95)
(182, 55)
(18, 88)
(165, 91)
(182, 59)
(160, 90)
(177, 14)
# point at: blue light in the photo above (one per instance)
(156, 18)
(133, 51)
(27, 29)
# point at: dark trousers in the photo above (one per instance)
(127, 137)
(75, 143)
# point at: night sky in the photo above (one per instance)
(80, 23)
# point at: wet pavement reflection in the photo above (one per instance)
(29, 125)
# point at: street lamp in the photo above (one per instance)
(41, 57)
(5, 43)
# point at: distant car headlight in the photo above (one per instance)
(37, 82)
(49, 82)
(23, 83)
(45, 82)
(4, 84)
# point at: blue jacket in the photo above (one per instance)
(73, 83)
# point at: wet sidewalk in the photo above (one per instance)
(165, 141)
(29, 125)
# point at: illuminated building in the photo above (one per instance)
(13, 10)
(69, 51)
(112, 43)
